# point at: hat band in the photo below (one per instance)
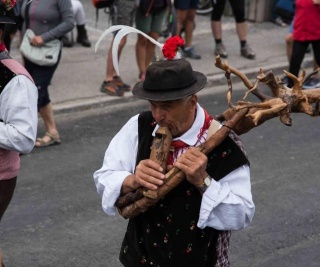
(178, 87)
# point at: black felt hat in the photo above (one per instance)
(167, 80)
(5, 7)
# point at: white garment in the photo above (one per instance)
(18, 115)
(78, 12)
(226, 205)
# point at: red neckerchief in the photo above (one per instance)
(178, 144)
(2, 47)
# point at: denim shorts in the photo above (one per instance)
(186, 4)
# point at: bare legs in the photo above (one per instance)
(216, 28)
(110, 73)
(186, 18)
(46, 113)
(144, 53)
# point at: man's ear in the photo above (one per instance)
(194, 99)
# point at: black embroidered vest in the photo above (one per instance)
(5, 73)
(167, 234)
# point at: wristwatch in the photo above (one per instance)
(206, 183)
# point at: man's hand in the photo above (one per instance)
(148, 175)
(193, 163)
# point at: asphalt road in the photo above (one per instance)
(55, 218)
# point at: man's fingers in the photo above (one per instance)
(152, 165)
(148, 174)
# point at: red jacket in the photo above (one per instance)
(306, 25)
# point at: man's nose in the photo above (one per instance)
(158, 115)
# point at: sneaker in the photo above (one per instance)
(191, 53)
(111, 89)
(311, 83)
(248, 52)
(220, 50)
(280, 22)
(120, 84)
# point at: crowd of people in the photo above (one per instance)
(150, 23)
(173, 104)
(150, 20)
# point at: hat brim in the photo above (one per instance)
(6, 20)
(160, 95)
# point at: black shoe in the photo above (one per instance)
(82, 37)
(66, 42)
(84, 42)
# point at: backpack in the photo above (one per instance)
(99, 4)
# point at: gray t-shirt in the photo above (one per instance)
(49, 18)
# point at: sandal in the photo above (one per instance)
(52, 140)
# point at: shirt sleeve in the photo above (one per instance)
(66, 24)
(19, 115)
(227, 204)
(119, 162)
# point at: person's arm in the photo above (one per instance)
(227, 204)
(66, 24)
(119, 175)
(19, 116)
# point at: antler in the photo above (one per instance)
(282, 102)
(123, 30)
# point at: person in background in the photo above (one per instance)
(18, 115)
(122, 13)
(186, 12)
(12, 29)
(238, 9)
(183, 228)
(80, 18)
(275, 18)
(306, 31)
(149, 19)
(59, 20)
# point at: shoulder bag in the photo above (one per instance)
(45, 55)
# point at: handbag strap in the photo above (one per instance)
(26, 14)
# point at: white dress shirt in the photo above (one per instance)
(18, 115)
(226, 204)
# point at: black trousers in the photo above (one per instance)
(298, 51)
(6, 192)
(42, 76)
